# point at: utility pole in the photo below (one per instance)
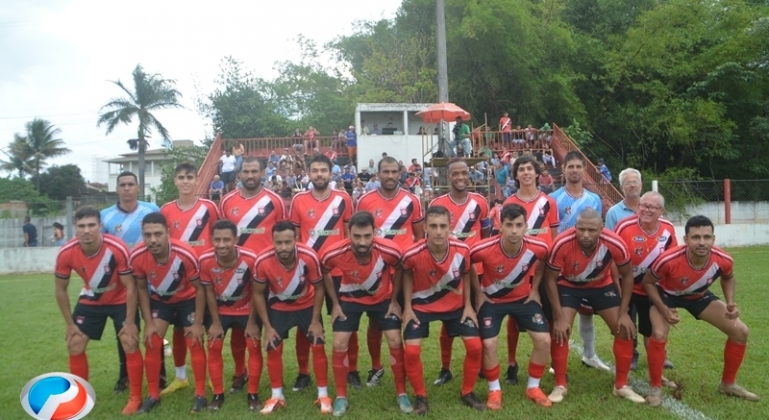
(440, 36)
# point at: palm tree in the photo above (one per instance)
(18, 158)
(151, 93)
(40, 144)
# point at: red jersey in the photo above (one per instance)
(289, 289)
(231, 285)
(172, 281)
(100, 272)
(468, 219)
(506, 277)
(366, 284)
(193, 225)
(437, 284)
(495, 214)
(505, 124)
(644, 248)
(677, 276)
(394, 218)
(254, 216)
(592, 271)
(541, 215)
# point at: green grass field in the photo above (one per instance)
(32, 344)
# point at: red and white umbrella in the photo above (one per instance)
(444, 111)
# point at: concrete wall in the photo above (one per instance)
(742, 212)
(11, 234)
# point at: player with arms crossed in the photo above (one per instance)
(436, 283)
(367, 286)
(680, 278)
(398, 216)
(509, 261)
(225, 273)
(470, 223)
(579, 268)
(170, 268)
(290, 271)
(109, 291)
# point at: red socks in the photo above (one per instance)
(446, 343)
(472, 364)
(238, 348)
(560, 355)
(623, 357)
(135, 367)
(302, 353)
(512, 340)
(492, 374)
(320, 364)
(152, 366)
(374, 341)
(198, 362)
(78, 365)
(655, 357)
(399, 369)
(339, 364)
(352, 352)
(179, 347)
(414, 370)
(536, 371)
(254, 365)
(275, 365)
(734, 353)
(216, 365)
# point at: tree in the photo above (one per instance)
(167, 190)
(38, 145)
(60, 182)
(19, 160)
(24, 190)
(150, 93)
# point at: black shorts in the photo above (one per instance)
(91, 319)
(232, 321)
(529, 317)
(337, 283)
(455, 325)
(599, 299)
(283, 321)
(354, 311)
(215, 196)
(695, 306)
(227, 177)
(547, 309)
(180, 314)
(642, 306)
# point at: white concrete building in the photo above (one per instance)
(153, 160)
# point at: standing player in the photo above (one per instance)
(124, 221)
(469, 223)
(542, 220)
(101, 260)
(367, 286)
(437, 286)
(680, 278)
(579, 267)
(509, 261)
(290, 272)
(571, 199)
(397, 216)
(320, 215)
(170, 268)
(225, 272)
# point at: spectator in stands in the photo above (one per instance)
(421, 131)
(372, 169)
(494, 161)
(297, 139)
(506, 127)
(286, 161)
(358, 190)
(216, 189)
(238, 150)
(531, 135)
(336, 171)
(305, 181)
(526, 151)
(427, 175)
(285, 190)
(291, 179)
(339, 143)
(348, 179)
(274, 158)
(227, 169)
(352, 144)
(501, 174)
(511, 187)
(363, 129)
(545, 134)
(310, 138)
(413, 166)
(375, 131)
(495, 215)
(604, 171)
(58, 234)
(364, 175)
(546, 182)
(372, 183)
(547, 157)
(518, 138)
(462, 141)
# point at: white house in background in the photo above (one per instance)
(153, 160)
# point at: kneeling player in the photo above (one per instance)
(680, 278)
(436, 277)
(225, 272)
(367, 286)
(287, 269)
(509, 261)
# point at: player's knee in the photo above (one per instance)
(394, 339)
(76, 345)
(490, 345)
(341, 343)
(129, 346)
(739, 333)
(659, 334)
(541, 341)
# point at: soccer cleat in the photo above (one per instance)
(667, 383)
(238, 382)
(495, 400)
(627, 393)
(353, 379)
(374, 376)
(302, 382)
(668, 364)
(512, 375)
(176, 385)
(420, 406)
(472, 400)
(558, 393)
(216, 402)
(254, 403)
(595, 362)
(132, 407)
(272, 405)
(735, 390)
(404, 404)
(148, 405)
(198, 404)
(443, 377)
(539, 397)
(340, 406)
(325, 405)
(163, 380)
(121, 385)
(654, 398)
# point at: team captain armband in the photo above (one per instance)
(485, 223)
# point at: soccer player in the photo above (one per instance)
(225, 272)
(579, 267)
(290, 271)
(124, 221)
(571, 199)
(509, 260)
(436, 283)
(169, 266)
(366, 286)
(469, 222)
(680, 278)
(109, 291)
(320, 216)
(542, 220)
(398, 216)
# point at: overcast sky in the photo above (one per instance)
(58, 56)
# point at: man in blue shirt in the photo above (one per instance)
(352, 143)
(216, 189)
(348, 179)
(336, 172)
(630, 183)
(500, 174)
(30, 233)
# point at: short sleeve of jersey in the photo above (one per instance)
(553, 219)
(121, 257)
(556, 259)
(139, 270)
(619, 252)
(63, 268)
(260, 270)
(419, 214)
(660, 267)
(191, 266)
(294, 212)
(725, 262)
(328, 260)
(206, 264)
(313, 264)
(464, 250)
(409, 259)
(540, 249)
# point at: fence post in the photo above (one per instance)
(68, 222)
(655, 185)
(728, 201)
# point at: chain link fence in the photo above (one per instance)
(748, 201)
